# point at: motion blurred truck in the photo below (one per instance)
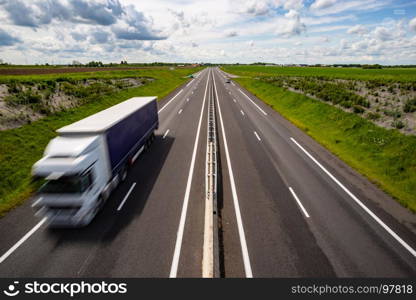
(89, 158)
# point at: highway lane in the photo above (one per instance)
(314, 229)
(139, 238)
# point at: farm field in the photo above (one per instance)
(394, 74)
(84, 94)
(383, 154)
(35, 70)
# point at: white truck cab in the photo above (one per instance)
(75, 174)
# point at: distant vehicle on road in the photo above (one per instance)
(90, 157)
(227, 80)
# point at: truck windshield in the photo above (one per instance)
(66, 185)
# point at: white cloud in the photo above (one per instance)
(292, 14)
(358, 29)
(291, 28)
(231, 33)
(291, 4)
(412, 24)
(354, 5)
(383, 34)
(320, 4)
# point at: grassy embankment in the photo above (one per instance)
(21, 147)
(386, 157)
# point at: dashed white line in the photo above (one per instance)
(234, 101)
(257, 136)
(299, 203)
(187, 99)
(36, 202)
(160, 110)
(179, 235)
(180, 111)
(125, 197)
(258, 107)
(166, 133)
(377, 219)
(22, 240)
(244, 249)
(242, 112)
(232, 83)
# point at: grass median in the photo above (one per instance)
(385, 157)
(21, 147)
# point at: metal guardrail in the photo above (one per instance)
(211, 243)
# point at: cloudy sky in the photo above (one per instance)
(245, 31)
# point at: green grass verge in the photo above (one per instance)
(20, 148)
(386, 157)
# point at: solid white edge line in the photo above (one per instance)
(377, 219)
(259, 108)
(22, 240)
(189, 82)
(298, 201)
(257, 136)
(179, 235)
(125, 197)
(160, 110)
(244, 249)
(166, 133)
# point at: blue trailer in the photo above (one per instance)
(90, 157)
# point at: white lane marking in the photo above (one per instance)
(232, 83)
(160, 110)
(125, 197)
(189, 82)
(263, 112)
(166, 133)
(137, 154)
(244, 249)
(234, 101)
(257, 136)
(377, 219)
(22, 240)
(180, 111)
(298, 201)
(37, 202)
(179, 235)
(242, 112)
(187, 99)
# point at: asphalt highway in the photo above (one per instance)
(286, 206)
